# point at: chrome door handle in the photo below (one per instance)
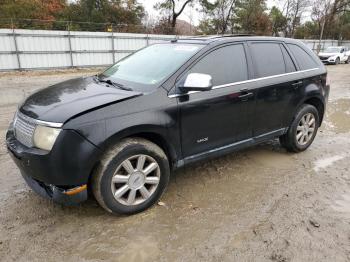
(297, 84)
(245, 95)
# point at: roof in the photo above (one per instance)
(206, 39)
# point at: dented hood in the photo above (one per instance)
(60, 102)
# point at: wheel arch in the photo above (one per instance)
(318, 103)
(154, 134)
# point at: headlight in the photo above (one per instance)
(45, 137)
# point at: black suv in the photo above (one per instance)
(121, 133)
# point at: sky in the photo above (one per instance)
(189, 14)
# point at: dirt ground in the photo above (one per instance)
(259, 204)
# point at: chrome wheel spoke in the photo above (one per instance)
(121, 191)
(307, 118)
(140, 162)
(131, 196)
(299, 135)
(128, 166)
(299, 128)
(312, 121)
(120, 179)
(154, 180)
(309, 136)
(150, 168)
(304, 138)
(144, 192)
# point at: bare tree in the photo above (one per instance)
(220, 13)
(293, 11)
(170, 7)
(324, 13)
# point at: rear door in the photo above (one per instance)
(277, 87)
(221, 116)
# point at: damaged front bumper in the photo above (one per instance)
(71, 196)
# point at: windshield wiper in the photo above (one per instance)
(110, 82)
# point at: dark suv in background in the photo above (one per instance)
(120, 133)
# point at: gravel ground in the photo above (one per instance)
(259, 204)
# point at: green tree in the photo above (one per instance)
(252, 17)
(19, 12)
(278, 21)
(219, 16)
(308, 30)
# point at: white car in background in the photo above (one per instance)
(335, 55)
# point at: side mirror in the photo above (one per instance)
(196, 82)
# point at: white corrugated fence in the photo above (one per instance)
(22, 49)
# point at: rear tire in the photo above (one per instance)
(132, 176)
(302, 131)
(347, 60)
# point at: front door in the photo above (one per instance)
(221, 116)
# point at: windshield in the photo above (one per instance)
(332, 50)
(149, 66)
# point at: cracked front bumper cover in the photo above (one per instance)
(58, 195)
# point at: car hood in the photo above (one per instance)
(62, 101)
(327, 54)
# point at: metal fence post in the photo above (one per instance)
(113, 55)
(16, 49)
(70, 47)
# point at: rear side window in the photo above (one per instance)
(226, 65)
(290, 67)
(268, 59)
(305, 61)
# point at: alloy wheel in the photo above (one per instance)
(306, 129)
(135, 180)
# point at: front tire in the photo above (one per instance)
(337, 61)
(303, 129)
(132, 176)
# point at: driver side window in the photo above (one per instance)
(226, 65)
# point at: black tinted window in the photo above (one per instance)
(290, 67)
(226, 65)
(305, 61)
(268, 59)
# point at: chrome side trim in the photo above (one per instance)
(219, 148)
(251, 141)
(247, 81)
(39, 122)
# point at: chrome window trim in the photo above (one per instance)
(247, 81)
(39, 122)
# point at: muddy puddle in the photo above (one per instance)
(338, 116)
